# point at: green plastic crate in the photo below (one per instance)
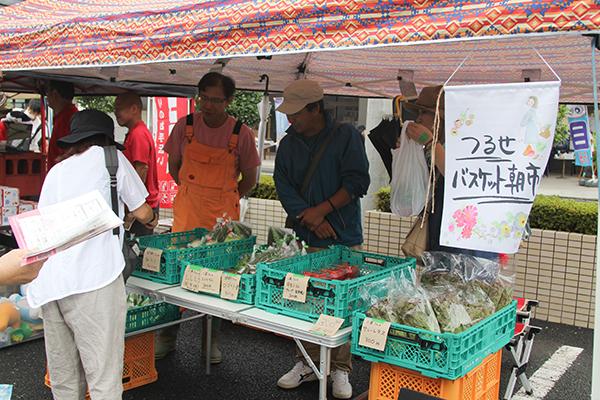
(169, 265)
(223, 263)
(338, 298)
(150, 315)
(440, 355)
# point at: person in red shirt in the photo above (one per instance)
(139, 150)
(3, 128)
(60, 100)
(3, 131)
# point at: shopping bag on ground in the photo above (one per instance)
(410, 175)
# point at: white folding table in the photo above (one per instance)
(249, 315)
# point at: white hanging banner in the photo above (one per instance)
(498, 139)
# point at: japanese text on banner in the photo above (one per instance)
(167, 111)
(498, 139)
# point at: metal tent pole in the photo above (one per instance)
(264, 108)
(596, 356)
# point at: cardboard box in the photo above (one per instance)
(6, 212)
(9, 196)
(26, 205)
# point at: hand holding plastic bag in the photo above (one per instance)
(410, 175)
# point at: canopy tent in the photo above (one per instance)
(352, 47)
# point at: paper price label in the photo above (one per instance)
(190, 279)
(373, 333)
(151, 260)
(295, 287)
(209, 281)
(230, 286)
(327, 325)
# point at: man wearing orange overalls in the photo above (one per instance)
(208, 151)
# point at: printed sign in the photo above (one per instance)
(327, 325)
(373, 333)
(167, 111)
(498, 140)
(295, 287)
(580, 135)
(151, 259)
(230, 286)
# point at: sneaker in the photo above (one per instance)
(296, 376)
(342, 389)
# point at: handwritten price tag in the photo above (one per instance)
(210, 280)
(191, 279)
(373, 333)
(230, 286)
(327, 325)
(294, 287)
(151, 260)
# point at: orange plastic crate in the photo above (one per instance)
(138, 366)
(481, 383)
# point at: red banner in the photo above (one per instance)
(167, 111)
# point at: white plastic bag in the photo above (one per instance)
(410, 175)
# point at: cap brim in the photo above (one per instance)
(288, 107)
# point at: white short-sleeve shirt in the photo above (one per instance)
(97, 262)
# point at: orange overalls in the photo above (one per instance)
(208, 183)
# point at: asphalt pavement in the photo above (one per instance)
(254, 360)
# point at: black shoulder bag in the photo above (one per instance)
(130, 248)
(290, 221)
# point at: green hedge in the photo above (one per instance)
(383, 199)
(548, 212)
(558, 214)
(265, 189)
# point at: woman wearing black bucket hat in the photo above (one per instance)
(80, 290)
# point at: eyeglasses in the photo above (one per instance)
(213, 100)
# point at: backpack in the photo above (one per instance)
(131, 252)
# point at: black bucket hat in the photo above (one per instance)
(89, 123)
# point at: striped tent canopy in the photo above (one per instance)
(352, 47)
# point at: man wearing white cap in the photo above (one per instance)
(321, 172)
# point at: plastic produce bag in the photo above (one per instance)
(404, 303)
(499, 286)
(410, 176)
(447, 302)
(458, 287)
(496, 277)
